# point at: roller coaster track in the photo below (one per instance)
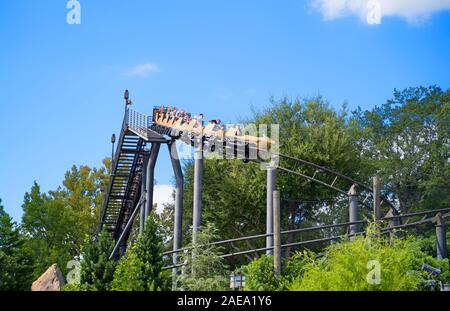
(138, 130)
(365, 190)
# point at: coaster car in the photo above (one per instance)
(212, 131)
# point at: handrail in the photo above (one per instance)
(138, 121)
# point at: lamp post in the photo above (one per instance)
(113, 141)
(126, 96)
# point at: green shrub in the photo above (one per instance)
(140, 269)
(260, 276)
(128, 273)
(346, 265)
(72, 287)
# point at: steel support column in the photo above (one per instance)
(376, 198)
(353, 209)
(178, 213)
(277, 233)
(271, 181)
(441, 239)
(198, 189)
(143, 192)
(121, 243)
(150, 179)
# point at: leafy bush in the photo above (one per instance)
(428, 244)
(260, 273)
(128, 273)
(294, 267)
(346, 265)
(73, 287)
(260, 276)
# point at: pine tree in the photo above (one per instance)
(149, 251)
(97, 270)
(141, 267)
(205, 270)
(128, 275)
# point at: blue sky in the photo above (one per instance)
(62, 85)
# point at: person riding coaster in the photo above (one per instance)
(182, 123)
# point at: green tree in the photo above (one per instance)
(127, 276)
(59, 222)
(205, 270)
(97, 271)
(16, 261)
(407, 142)
(140, 269)
(45, 221)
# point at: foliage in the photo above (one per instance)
(294, 267)
(57, 223)
(97, 270)
(127, 276)
(205, 270)
(407, 142)
(346, 265)
(140, 269)
(260, 276)
(72, 287)
(427, 243)
(15, 259)
(259, 273)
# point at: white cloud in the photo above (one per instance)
(411, 10)
(142, 70)
(162, 194)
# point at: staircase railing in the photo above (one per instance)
(137, 121)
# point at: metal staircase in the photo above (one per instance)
(124, 189)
